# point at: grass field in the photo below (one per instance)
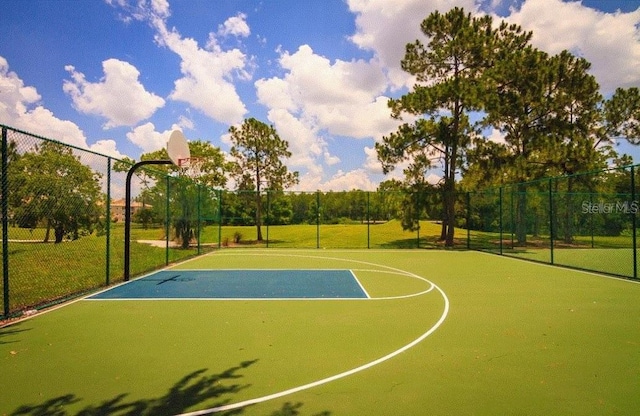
(355, 235)
(493, 336)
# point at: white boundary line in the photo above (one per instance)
(363, 367)
(360, 284)
(562, 267)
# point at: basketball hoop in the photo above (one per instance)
(179, 153)
(191, 166)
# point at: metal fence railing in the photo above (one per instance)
(62, 230)
(63, 213)
(586, 221)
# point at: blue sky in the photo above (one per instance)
(117, 76)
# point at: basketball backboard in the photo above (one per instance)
(178, 149)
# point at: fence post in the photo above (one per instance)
(199, 187)
(512, 215)
(551, 230)
(5, 222)
(633, 223)
(418, 218)
(368, 221)
(268, 213)
(593, 241)
(318, 219)
(468, 220)
(167, 227)
(500, 198)
(108, 223)
(220, 196)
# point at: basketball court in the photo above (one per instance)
(319, 332)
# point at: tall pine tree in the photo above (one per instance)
(450, 71)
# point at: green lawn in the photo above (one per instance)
(517, 338)
(383, 235)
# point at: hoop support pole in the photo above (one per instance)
(127, 212)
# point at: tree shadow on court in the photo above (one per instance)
(194, 388)
(289, 409)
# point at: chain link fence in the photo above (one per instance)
(586, 221)
(63, 211)
(62, 221)
(354, 219)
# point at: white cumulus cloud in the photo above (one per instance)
(235, 26)
(208, 73)
(610, 41)
(107, 147)
(317, 100)
(148, 139)
(377, 19)
(20, 107)
(118, 96)
(357, 179)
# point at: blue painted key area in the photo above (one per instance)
(240, 284)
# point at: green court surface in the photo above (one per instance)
(441, 333)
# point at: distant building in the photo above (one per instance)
(118, 209)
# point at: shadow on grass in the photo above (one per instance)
(193, 389)
(431, 242)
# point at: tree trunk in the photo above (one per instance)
(521, 216)
(186, 234)
(451, 212)
(450, 184)
(259, 216)
(183, 232)
(48, 232)
(59, 233)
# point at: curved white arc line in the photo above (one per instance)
(398, 271)
(410, 295)
(334, 377)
